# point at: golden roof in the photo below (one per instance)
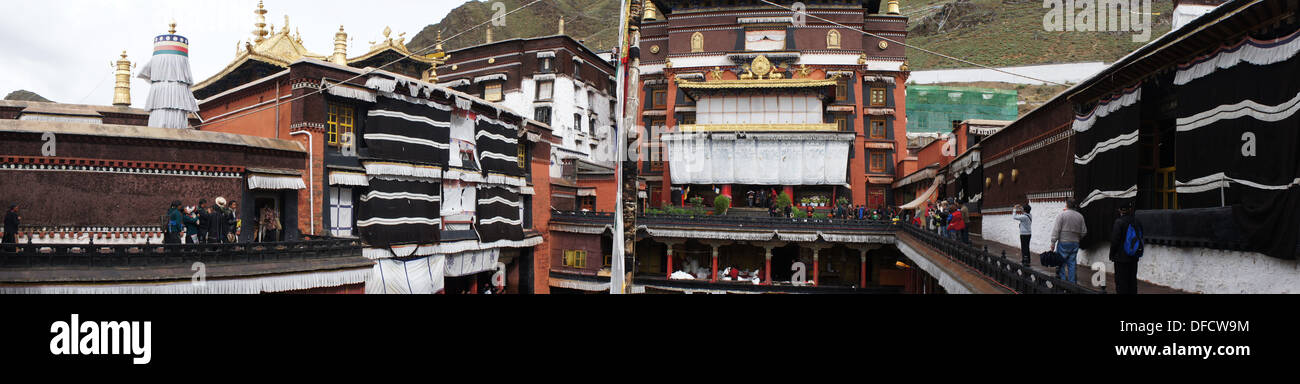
(282, 49)
(279, 49)
(396, 45)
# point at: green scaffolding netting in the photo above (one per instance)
(933, 108)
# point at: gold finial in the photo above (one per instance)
(489, 35)
(561, 25)
(172, 27)
(122, 77)
(285, 30)
(892, 8)
(259, 27)
(340, 55)
(387, 31)
(651, 13)
(438, 45)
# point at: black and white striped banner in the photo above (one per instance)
(402, 131)
(1106, 158)
(499, 214)
(498, 150)
(399, 211)
(1238, 132)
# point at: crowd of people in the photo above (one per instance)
(948, 218)
(214, 224)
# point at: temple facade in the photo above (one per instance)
(744, 101)
(742, 97)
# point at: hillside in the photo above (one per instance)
(594, 21)
(1010, 33)
(24, 95)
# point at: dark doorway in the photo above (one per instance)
(782, 259)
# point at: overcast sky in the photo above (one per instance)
(64, 49)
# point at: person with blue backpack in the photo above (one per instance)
(1126, 248)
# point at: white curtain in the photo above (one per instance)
(735, 109)
(462, 139)
(459, 201)
(764, 159)
(423, 275)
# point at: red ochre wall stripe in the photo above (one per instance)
(72, 161)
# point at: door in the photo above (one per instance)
(263, 200)
(875, 198)
(340, 207)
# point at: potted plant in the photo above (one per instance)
(721, 204)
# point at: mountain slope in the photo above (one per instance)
(25, 95)
(1010, 33)
(594, 21)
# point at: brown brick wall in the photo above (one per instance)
(562, 241)
(106, 199)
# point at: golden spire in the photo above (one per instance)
(340, 55)
(561, 24)
(893, 7)
(122, 89)
(437, 48)
(172, 29)
(489, 36)
(259, 27)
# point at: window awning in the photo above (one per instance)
(264, 181)
(349, 178)
(499, 76)
(924, 197)
(455, 83)
(545, 54)
(587, 192)
(923, 174)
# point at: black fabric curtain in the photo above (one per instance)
(1109, 176)
(498, 148)
(399, 212)
(498, 215)
(1242, 122)
(406, 132)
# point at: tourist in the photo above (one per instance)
(191, 221)
(957, 224)
(1020, 214)
(1066, 234)
(204, 224)
(236, 224)
(965, 221)
(174, 225)
(11, 225)
(1126, 249)
(268, 224)
(220, 225)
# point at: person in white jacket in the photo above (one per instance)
(1021, 214)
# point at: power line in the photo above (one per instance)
(911, 46)
(368, 71)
